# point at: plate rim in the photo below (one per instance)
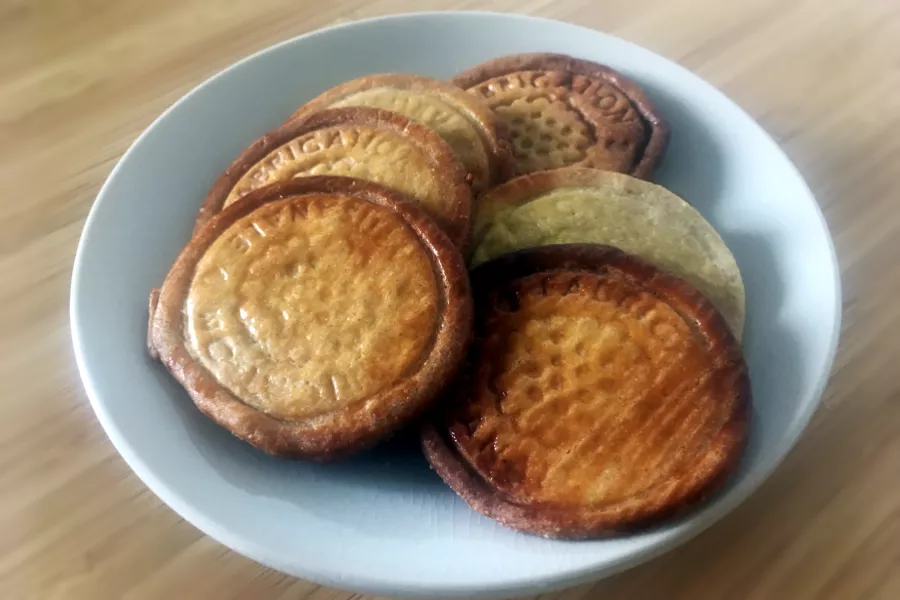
(509, 585)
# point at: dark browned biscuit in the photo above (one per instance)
(565, 111)
(600, 395)
(367, 143)
(315, 316)
(461, 119)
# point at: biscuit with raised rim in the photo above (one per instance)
(314, 317)
(564, 111)
(600, 396)
(465, 123)
(366, 143)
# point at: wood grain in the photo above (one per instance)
(80, 80)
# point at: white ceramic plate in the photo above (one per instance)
(384, 523)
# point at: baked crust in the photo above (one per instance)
(626, 470)
(596, 117)
(364, 421)
(464, 122)
(392, 151)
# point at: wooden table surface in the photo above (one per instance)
(80, 80)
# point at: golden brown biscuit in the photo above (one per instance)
(315, 316)
(600, 395)
(464, 122)
(567, 111)
(366, 143)
(578, 205)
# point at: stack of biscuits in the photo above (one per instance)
(482, 260)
